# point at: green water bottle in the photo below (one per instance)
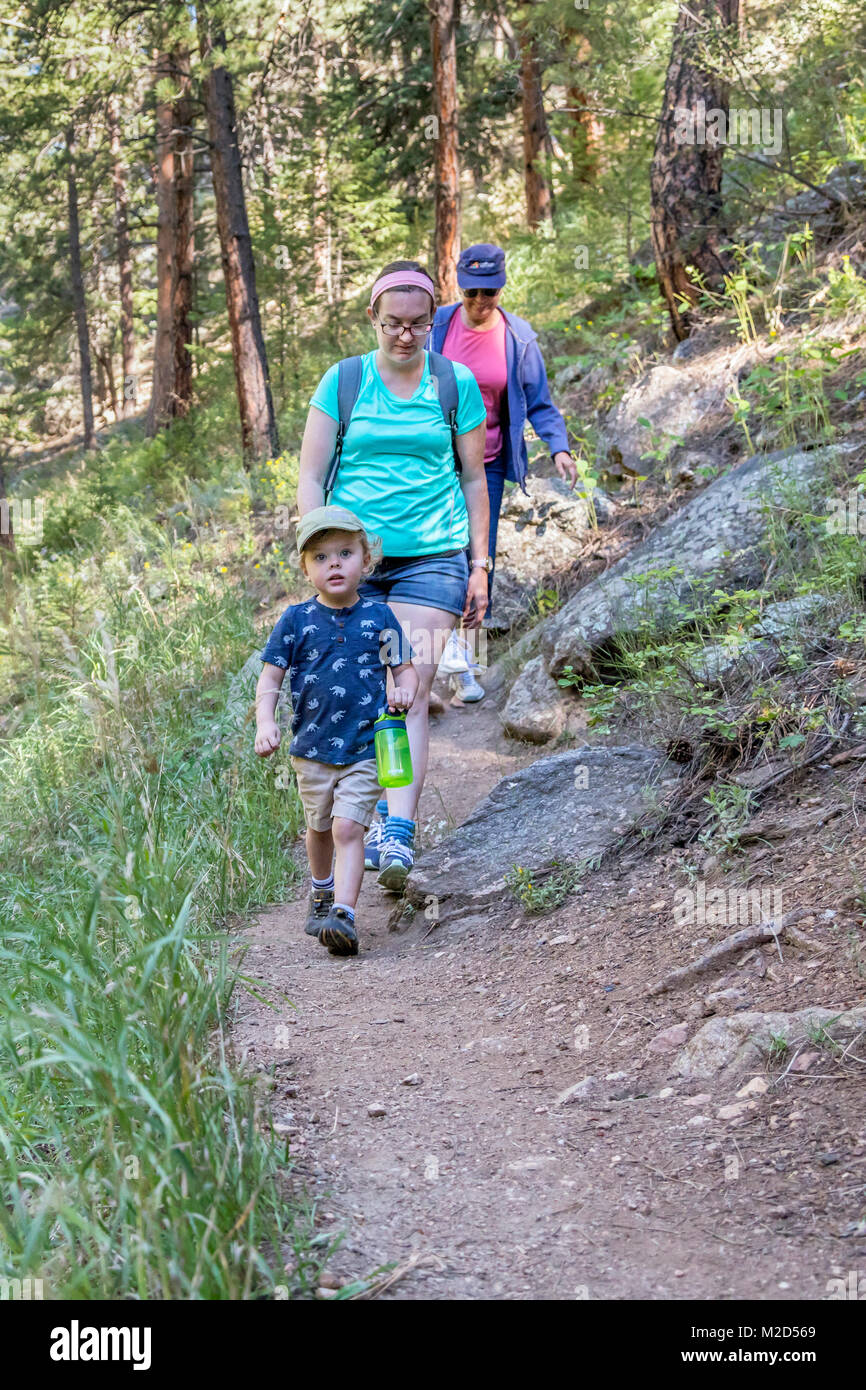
(393, 758)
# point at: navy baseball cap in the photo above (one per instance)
(481, 267)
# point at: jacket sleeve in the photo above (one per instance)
(543, 414)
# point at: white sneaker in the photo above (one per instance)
(467, 688)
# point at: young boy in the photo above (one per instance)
(336, 648)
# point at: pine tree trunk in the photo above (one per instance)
(184, 240)
(539, 199)
(446, 158)
(162, 382)
(124, 259)
(586, 126)
(258, 425)
(78, 296)
(686, 178)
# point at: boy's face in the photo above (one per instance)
(334, 562)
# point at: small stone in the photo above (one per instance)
(733, 1112)
(376, 1110)
(699, 1120)
(329, 1280)
(721, 996)
(697, 1100)
(826, 1159)
(679, 1273)
(756, 1087)
(804, 1060)
(665, 1092)
(670, 1038)
(414, 1080)
(324, 1292)
(587, 1089)
(616, 1075)
(561, 941)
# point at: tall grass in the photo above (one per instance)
(135, 820)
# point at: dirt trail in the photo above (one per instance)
(475, 1167)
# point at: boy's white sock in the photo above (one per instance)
(349, 911)
(324, 882)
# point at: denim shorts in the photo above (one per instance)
(433, 581)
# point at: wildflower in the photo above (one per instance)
(223, 569)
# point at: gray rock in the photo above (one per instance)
(825, 208)
(569, 807)
(712, 541)
(566, 376)
(674, 401)
(535, 710)
(540, 533)
(587, 1089)
(790, 616)
(743, 1041)
(669, 1039)
(720, 660)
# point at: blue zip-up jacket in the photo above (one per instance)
(527, 394)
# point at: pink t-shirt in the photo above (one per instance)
(482, 350)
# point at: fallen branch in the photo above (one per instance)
(723, 951)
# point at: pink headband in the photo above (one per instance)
(402, 277)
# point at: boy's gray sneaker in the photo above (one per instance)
(338, 933)
(321, 902)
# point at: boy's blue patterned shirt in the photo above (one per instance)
(336, 659)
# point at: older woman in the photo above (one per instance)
(502, 352)
(397, 473)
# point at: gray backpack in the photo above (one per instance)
(349, 384)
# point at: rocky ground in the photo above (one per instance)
(496, 1106)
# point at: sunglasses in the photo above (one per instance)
(488, 294)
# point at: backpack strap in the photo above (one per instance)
(445, 384)
(348, 386)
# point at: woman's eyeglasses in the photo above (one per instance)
(488, 294)
(393, 330)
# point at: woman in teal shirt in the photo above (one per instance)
(397, 474)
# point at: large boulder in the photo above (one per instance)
(535, 710)
(540, 533)
(712, 541)
(566, 808)
(745, 1041)
(676, 400)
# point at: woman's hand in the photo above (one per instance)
(476, 597)
(565, 467)
(267, 739)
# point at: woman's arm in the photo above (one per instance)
(544, 417)
(320, 436)
(473, 481)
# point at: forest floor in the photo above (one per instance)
(474, 1182)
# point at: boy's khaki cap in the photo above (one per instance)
(334, 519)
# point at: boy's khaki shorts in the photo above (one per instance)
(327, 791)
